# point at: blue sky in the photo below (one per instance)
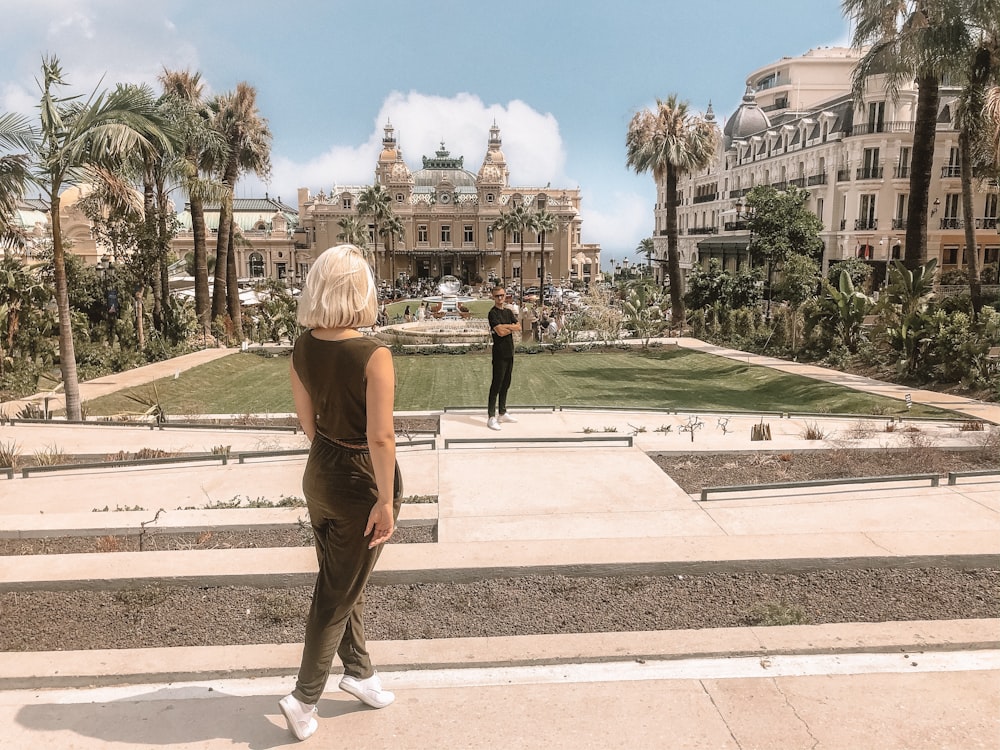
(561, 78)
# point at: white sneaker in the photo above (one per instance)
(300, 717)
(492, 423)
(367, 691)
(507, 418)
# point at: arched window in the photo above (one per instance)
(256, 263)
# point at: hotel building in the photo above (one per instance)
(799, 125)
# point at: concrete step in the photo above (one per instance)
(452, 562)
(41, 669)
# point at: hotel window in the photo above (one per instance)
(371, 233)
(819, 209)
(399, 197)
(446, 233)
(421, 233)
(990, 212)
(516, 237)
(951, 256)
(951, 202)
(903, 168)
(347, 203)
(467, 234)
(490, 197)
(866, 212)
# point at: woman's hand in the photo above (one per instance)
(380, 521)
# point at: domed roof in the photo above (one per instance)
(399, 173)
(443, 167)
(747, 120)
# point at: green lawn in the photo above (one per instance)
(663, 379)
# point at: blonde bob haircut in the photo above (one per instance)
(339, 291)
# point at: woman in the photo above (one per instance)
(343, 384)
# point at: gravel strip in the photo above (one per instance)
(162, 616)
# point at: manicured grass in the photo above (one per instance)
(662, 379)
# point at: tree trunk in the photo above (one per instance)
(222, 242)
(541, 272)
(202, 302)
(971, 249)
(921, 164)
(163, 246)
(673, 256)
(152, 246)
(232, 286)
(67, 352)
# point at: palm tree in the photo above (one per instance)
(16, 133)
(519, 218)
(907, 40)
(645, 247)
(83, 141)
(503, 224)
(374, 201)
(392, 230)
(201, 145)
(248, 137)
(543, 222)
(671, 142)
(991, 114)
(353, 232)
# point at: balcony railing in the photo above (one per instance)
(816, 179)
(799, 182)
(780, 185)
(735, 226)
(705, 198)
(843, 175)
(988, 222)
(901, 172)
(952, 222)
(896, 126)
(865, 224)
(951, 170)
(738, 193)
(899, 223)
(869, 173)
(703, 230)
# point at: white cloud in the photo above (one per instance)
(106, 42)
(618, 222)
(531, 143)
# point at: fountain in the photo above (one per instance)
(448, 320)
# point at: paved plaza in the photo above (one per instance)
(908, 684)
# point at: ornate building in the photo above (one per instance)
(264, 230)
(448, 215)
(799, 125)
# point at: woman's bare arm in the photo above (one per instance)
(381, 394)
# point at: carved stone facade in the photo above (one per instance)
(448, 213)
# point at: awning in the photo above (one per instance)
(719, 244)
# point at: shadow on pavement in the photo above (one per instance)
(183, 716)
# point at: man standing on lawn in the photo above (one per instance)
(503, 324)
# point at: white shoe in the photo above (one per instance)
(492, 423)
(367, 691)
(300, 717)
(507, 418)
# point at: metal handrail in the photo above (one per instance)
(934, 480)
(954, 476)
(191, 458)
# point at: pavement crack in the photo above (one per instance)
(881, 547)
(721, 715)
(803, 722)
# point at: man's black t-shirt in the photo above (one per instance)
(503, 346)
